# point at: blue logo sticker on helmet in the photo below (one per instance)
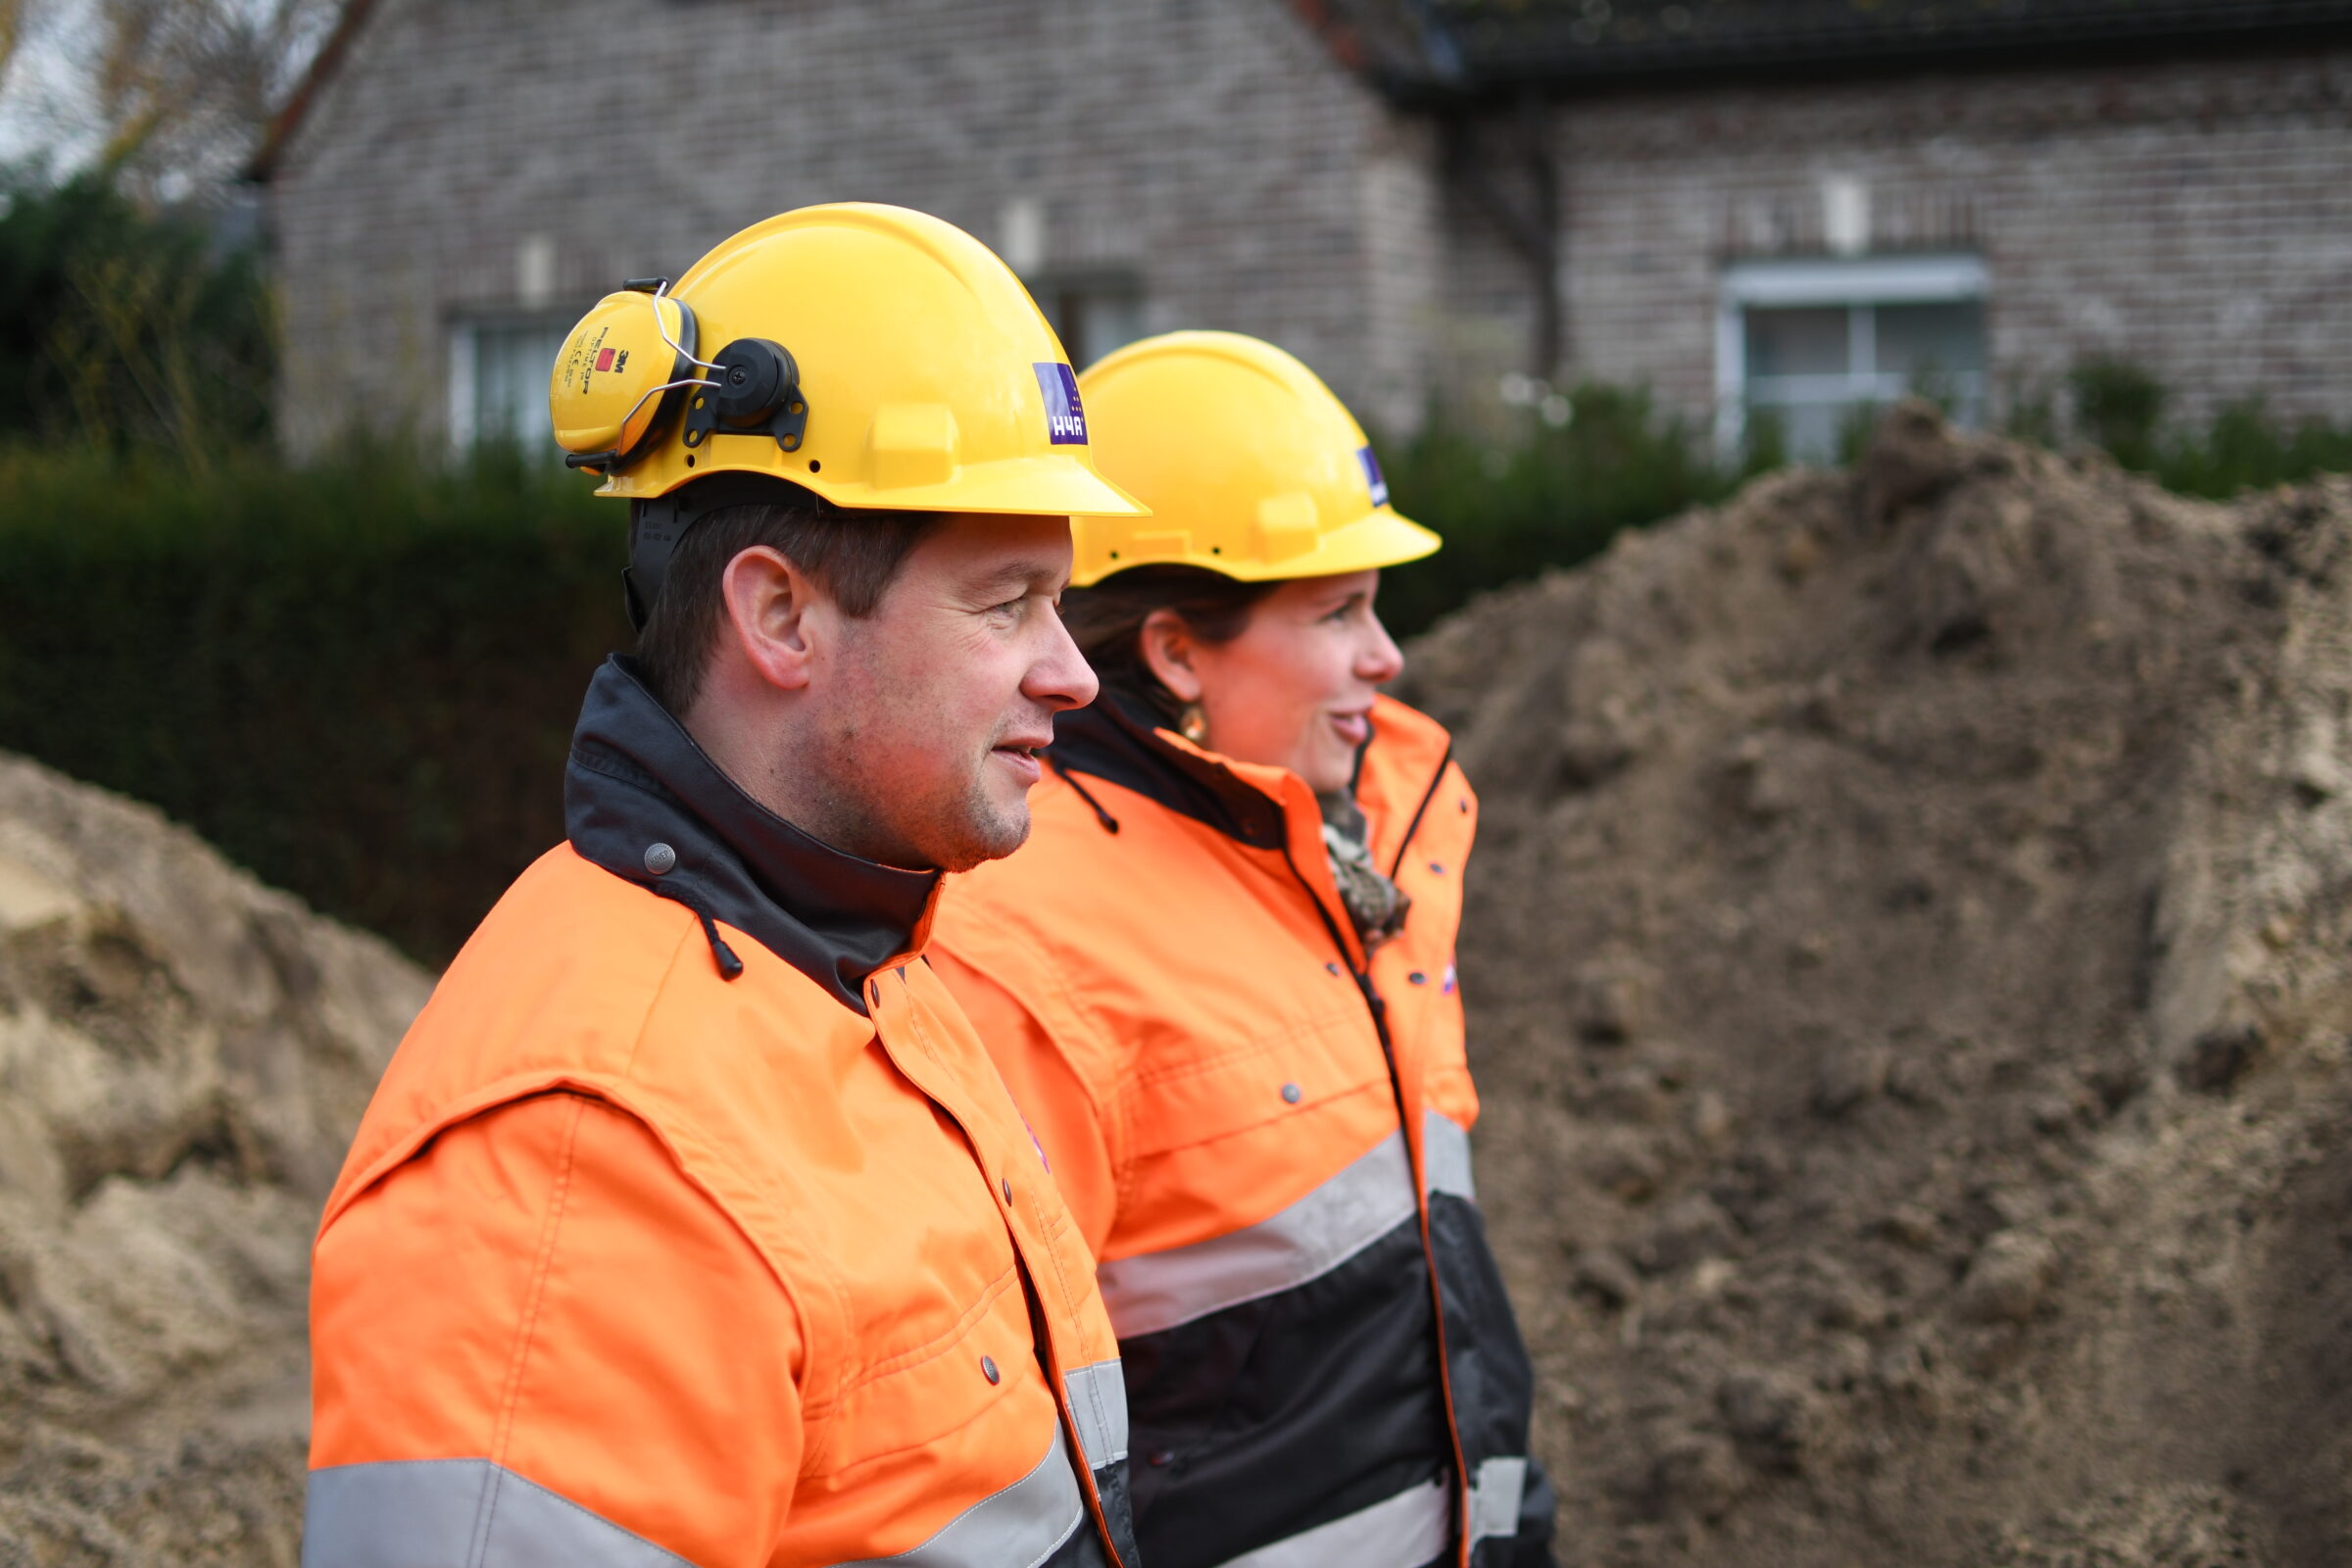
(1372, 480)
(1065, 418)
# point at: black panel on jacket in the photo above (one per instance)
(1083, 1550)
(1111, 1484)
(1494, 1380)
(1280, 1414)
(636, 779)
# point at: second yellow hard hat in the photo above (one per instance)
(1251, 467)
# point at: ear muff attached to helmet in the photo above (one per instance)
(625, 371)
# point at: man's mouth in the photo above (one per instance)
(1354, 726)
(1022, 754)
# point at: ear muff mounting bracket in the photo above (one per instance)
(759, 393)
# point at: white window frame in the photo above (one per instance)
(461, 387)
(463, 339)
(1859, 283)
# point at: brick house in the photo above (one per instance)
(1787, 205)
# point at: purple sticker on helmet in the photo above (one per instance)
(1378, 485)
(1065, 418)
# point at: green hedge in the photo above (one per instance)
(358, 677)
(1545, 496)
(357, 680)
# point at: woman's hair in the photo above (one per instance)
(1106, 622)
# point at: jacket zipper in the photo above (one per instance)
(1419, 811)
(1377, 1005)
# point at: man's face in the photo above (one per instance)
(942, 697)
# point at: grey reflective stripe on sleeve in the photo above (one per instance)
(1406, 1531)
(1098, 1402)
(1019, 1526)
(457, 1514)
(1494, 1497)
(1446, 1155)
(1305, 1241)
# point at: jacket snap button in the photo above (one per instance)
(659, 858)
(1290, 1093)
(1418, 978)
(1464, 805)
(1161, 1458)
(1435, 869)
(988, 1369)
(1331, 969)
(1007, 1185)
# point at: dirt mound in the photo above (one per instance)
(183, 1055)
(1908, 970)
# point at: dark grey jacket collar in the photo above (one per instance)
(1118, 738)
(637, 780)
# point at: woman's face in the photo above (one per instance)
(1294, 689)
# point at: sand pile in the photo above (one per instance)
(183, 1055)
(1910, 965)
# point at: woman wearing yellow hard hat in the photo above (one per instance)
(1219, 980)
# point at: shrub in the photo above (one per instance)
(1552, 497)
(118, 325)
(2119, 407)
(358, 678)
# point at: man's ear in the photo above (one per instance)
(775, 616)
(1167, 647)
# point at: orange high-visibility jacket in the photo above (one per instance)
(691, 1224)
(1265, 1138)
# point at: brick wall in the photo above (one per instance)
(1214, 148)
(2192, 217)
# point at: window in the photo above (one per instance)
(1814, 344)
(1092, 315)
(498, 370)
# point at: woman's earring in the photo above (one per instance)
(1193, 724)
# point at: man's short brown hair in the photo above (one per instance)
(853, 556)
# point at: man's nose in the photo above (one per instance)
(1061, 678)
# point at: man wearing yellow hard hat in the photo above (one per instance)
(691, 1223)
(1220, 981)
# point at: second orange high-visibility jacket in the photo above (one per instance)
(691, 1224)
(1265, 1138)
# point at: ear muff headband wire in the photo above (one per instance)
(655, 301)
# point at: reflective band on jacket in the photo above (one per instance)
(1315, 1234)
(1098, 1403)
(405, 1512)
(1494, 1497)
(1018, 1526)
(402, 1513)
(1446, 1155)
(1406, 1531)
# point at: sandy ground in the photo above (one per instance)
(183, 1055)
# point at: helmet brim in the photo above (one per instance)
(1037, 486)
(1379, 539)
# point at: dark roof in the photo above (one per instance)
(1454, 47)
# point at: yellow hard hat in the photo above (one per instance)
(879, 356)
(1249, 464)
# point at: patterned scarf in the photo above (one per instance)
(1375, 905)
